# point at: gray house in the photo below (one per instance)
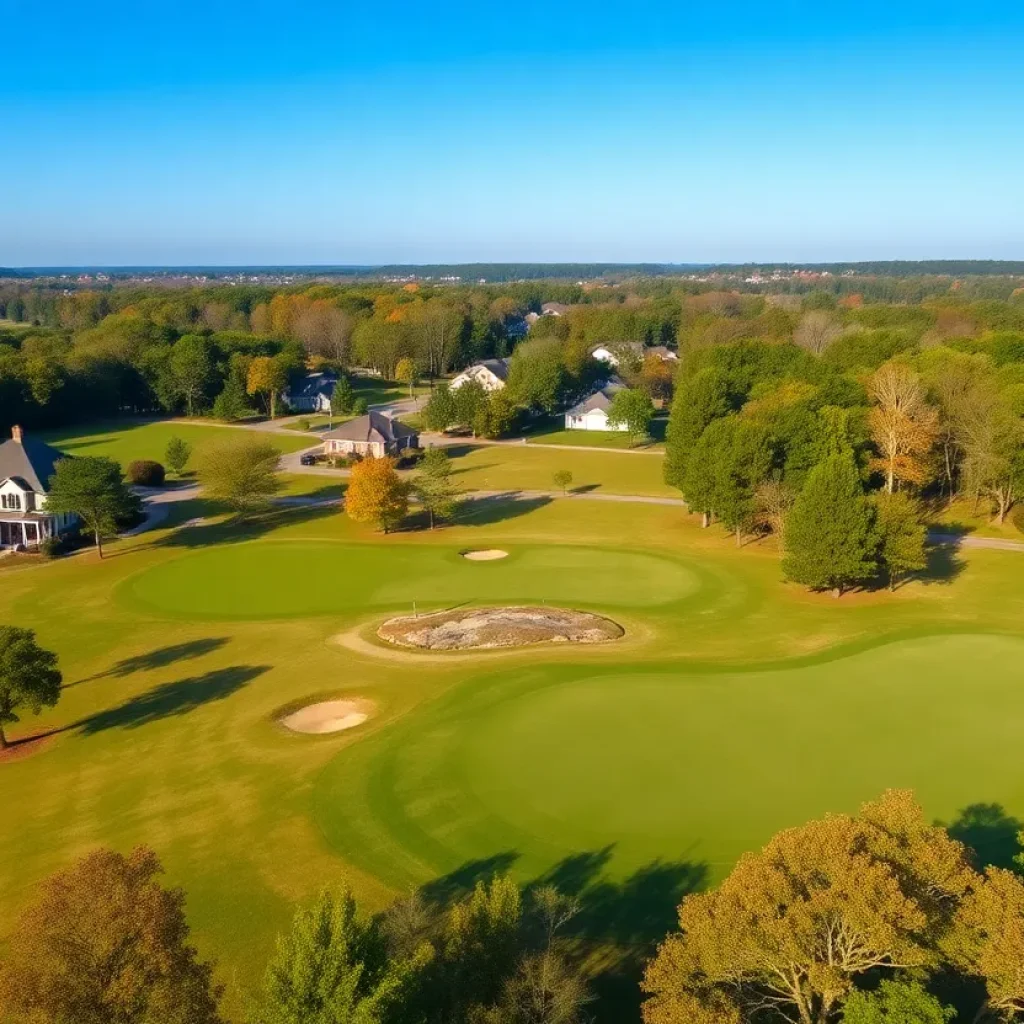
(25, 470)
(312, 393)
(373, 434)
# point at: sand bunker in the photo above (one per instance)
(329, 716)
(485, 555)
(498, 627)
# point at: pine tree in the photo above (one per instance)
(698, 402)
(901, 535)
(330, 968)
(830, 534)
(343, 397)
(437, 495)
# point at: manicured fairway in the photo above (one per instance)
(669, 765)
(268, 580)
(148, 440)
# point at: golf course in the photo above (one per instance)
(733, 705)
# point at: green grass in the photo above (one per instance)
(734, 705)
(144, 439)
(532, 467)
(555, 434)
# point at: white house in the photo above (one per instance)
(25, 470)
(312, 393)
(613, 352)
(373, 434)
(554, 309)
(592, 412)
(491, 374)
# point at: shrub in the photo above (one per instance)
(51, 547)
(1018, 518)
(302, 423)
(146, 473)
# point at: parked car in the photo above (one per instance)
(309, 459)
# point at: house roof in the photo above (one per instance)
(499, 367)
(619, 346)
(554, 308)
(662, 352)
(314, 384)
(374, 426)
(30, 462)
(600, 400)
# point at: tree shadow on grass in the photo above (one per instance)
(172, 699)
(619, 923)
(989, 833)
(236, 530)
(159, 658)
(944, 564)
(498, 508)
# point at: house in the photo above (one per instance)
(374, 434)
(554, 309)
(531, 318)
(311, 393)
(613, 352)
(592, 412)
(491, 374)
(26, 466)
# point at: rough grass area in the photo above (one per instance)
(498, 627)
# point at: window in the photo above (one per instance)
(10, 501)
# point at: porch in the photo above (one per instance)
(25, 531)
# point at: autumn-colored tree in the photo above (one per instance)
(377, 494)
(655, 377)
(795, 925)
(989, 941)
(405, 373)
(267, 377)
(904, 426)
(104, 942)
(29, 677)
(817, 329)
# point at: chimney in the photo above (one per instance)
(16, 434)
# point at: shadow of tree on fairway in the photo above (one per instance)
(989, 833)
(164, 656)
(944, 564)
(619, 923)
(172, 699)
(237, 529)
(497, 508)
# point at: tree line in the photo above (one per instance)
(877, 917)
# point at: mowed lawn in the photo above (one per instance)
(147, 439)
(493, 467)
(734, 705)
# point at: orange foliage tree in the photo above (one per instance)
(377, 494)
(903, 425)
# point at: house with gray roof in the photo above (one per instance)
(592, 412)
(26, 466)
(311, 393)
(374, 434)
(490, 374)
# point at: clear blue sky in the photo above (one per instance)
(145, 132)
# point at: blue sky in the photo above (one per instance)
(182, 133)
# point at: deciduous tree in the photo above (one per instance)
(699, 400)
(562, 479)
(29, 677)
(405, 373)
(267, 377)
(632, 408)
(102, 942)
(192, 368)
(93, 489)
(794, 926)
(903, 425)
(896, 1002)
(377, 494)
(241, 472)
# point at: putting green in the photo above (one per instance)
(667, 765)
(271, 580)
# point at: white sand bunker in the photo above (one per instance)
(485, 555)
(329, 716)
(498, 627)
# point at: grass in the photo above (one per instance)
(618, 439)
(147, 439)
(734, 705)
(531, 467)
